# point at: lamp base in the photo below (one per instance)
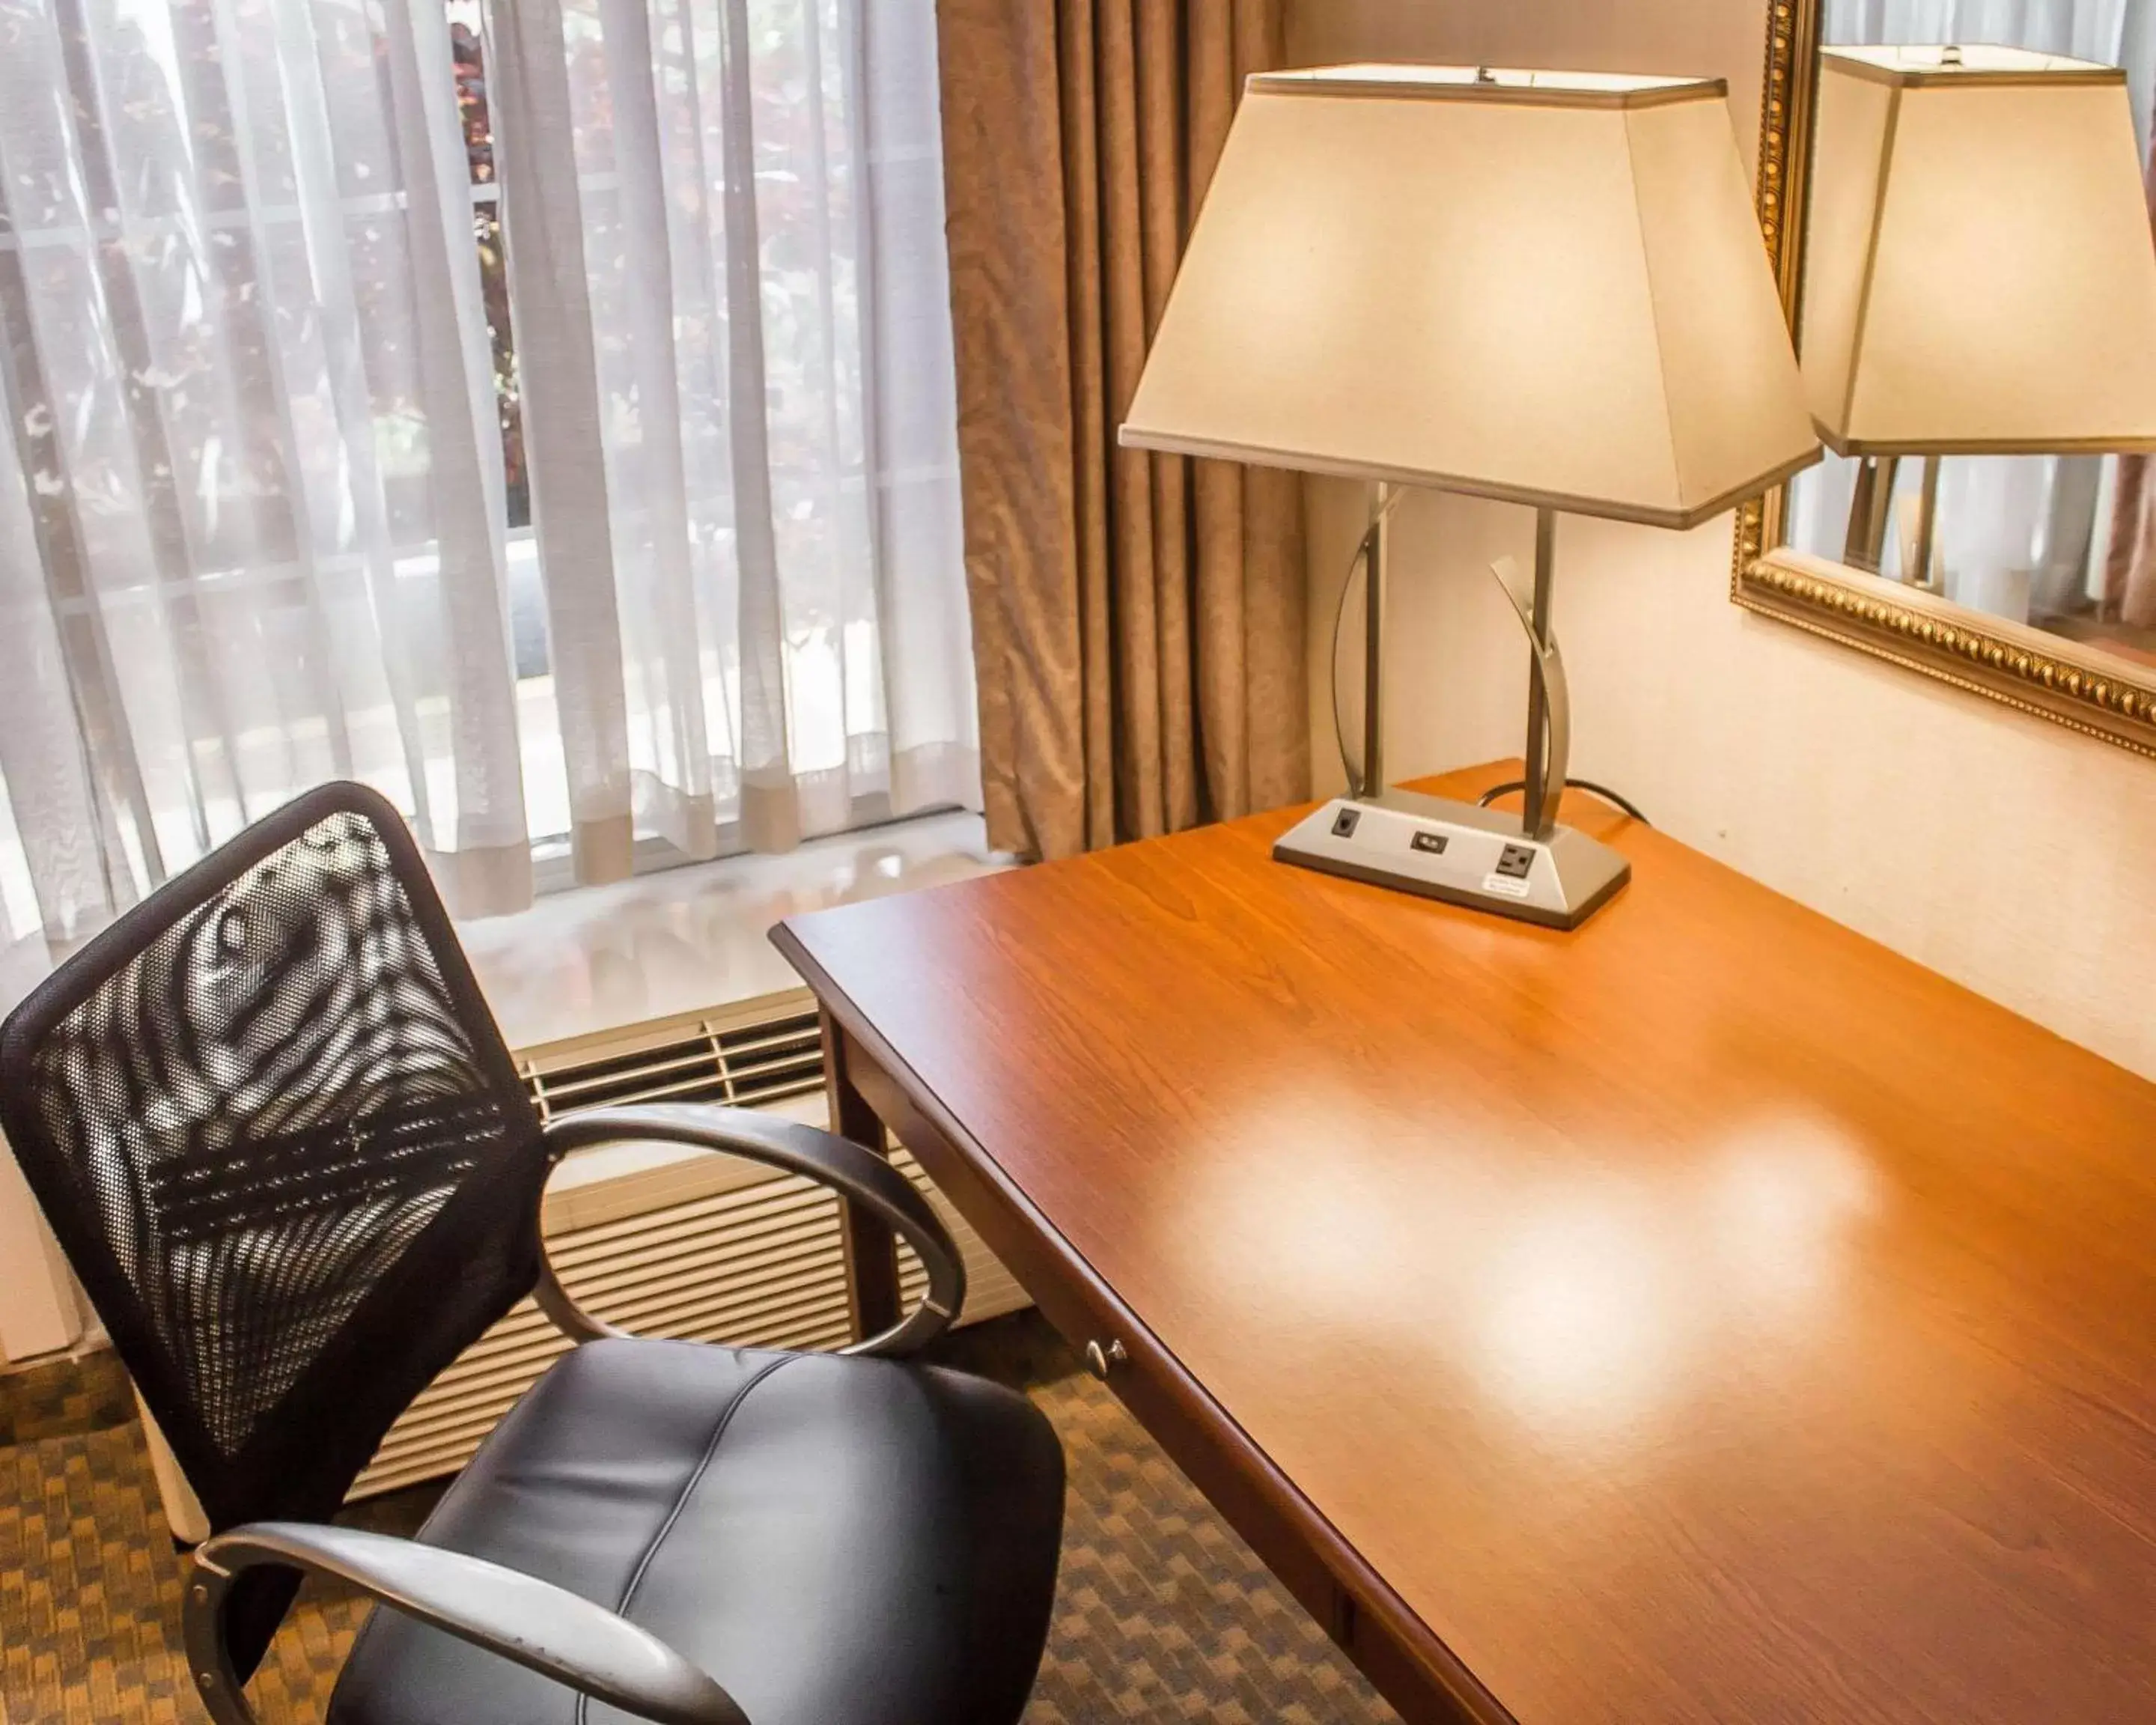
(1458, 852)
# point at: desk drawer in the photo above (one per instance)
(1390, 1645)
(1200, 1440)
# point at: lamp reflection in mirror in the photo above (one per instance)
(1546, 288)
(1978, 272)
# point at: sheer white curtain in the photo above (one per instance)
(742, 440)
(2017, 534)
(253, 526)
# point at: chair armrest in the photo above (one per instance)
(531, 1622)
(859, 1175)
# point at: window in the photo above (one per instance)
(274, 468)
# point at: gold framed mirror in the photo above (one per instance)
(2061, 621)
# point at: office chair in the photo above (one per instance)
(277, 1131)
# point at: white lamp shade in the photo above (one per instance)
(1979, 274)
(1549, 288)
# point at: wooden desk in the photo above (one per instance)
(1705, 1316)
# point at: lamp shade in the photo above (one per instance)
(1544, 287)
(1979, 275)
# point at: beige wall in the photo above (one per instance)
(2007, 853)
(38, 1309)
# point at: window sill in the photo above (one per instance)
(600, 957)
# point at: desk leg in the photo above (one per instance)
(870, 1251)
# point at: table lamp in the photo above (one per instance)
(1978, 278)
(1544, 287)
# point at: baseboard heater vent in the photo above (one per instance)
(668, 1242)
(749, 1061)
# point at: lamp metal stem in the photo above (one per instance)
(1540, 810)
(1919, 572)
(1373, 648)
(1871, 503)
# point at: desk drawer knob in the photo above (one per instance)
(1100, 1361)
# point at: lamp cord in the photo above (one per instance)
(1612, 798)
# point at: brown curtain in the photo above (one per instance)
(1138, 619)
(2129, 594)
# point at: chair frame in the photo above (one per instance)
(528, 1621)
(521, 1618)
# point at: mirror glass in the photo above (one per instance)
(2064, 540)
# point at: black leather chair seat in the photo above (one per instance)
(839, 1541)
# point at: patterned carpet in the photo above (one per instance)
(1161, 1612)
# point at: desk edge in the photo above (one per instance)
(1372, 1594)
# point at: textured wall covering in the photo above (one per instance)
(1138, 620)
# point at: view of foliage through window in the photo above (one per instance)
(246, 386)
(466, 50)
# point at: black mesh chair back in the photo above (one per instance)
(274, 1127)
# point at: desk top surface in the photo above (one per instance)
(1706, 1315)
